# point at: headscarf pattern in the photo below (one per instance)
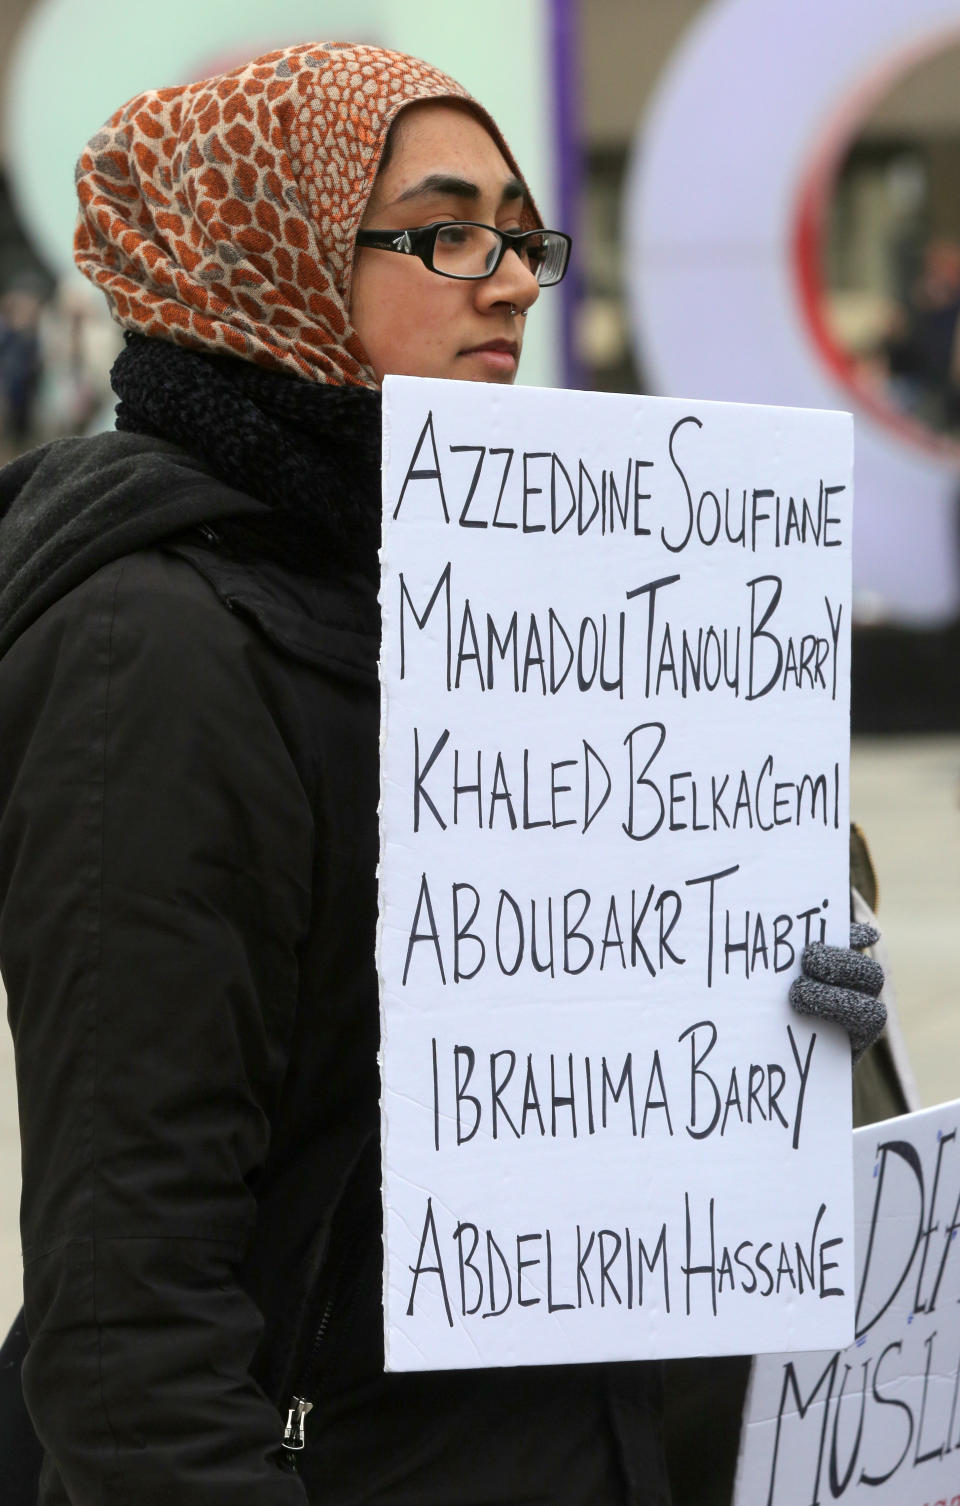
(222, 214)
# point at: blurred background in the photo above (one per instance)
(765, 199)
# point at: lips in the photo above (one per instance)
(501, 347)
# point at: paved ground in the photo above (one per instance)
(906, 796)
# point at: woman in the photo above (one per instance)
(188, 796)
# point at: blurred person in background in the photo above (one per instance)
(189, 635)
(55, 357)
(923, 351)
(21, 364)
(80, 344)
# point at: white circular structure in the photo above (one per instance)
(724, 197)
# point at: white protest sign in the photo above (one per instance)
(878, 1422)
(614, 805)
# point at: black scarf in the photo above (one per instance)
(311, 452)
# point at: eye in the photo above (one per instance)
(536, 251)
(533, 252)
(453, 235)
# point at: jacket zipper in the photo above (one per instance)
(294, 1438)
(346, 1279)
(294, 1434)
(311, 1375)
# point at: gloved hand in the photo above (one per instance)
(842, 985)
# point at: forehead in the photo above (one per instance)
(440, 137)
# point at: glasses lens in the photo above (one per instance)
(462, 250)
(546, 255)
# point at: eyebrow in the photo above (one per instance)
(458, 188)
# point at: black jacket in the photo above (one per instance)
(188, 846)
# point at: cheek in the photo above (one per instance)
(405, 316)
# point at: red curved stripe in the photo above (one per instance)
(808, 237)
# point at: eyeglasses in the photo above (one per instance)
(470, 251)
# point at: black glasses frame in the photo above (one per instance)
(422, 241)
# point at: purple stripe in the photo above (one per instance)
(568, 159)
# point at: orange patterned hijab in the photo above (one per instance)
(222, 214)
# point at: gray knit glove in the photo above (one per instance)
(842, 985)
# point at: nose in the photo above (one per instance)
(512, 283)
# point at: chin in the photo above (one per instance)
(501, 381)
